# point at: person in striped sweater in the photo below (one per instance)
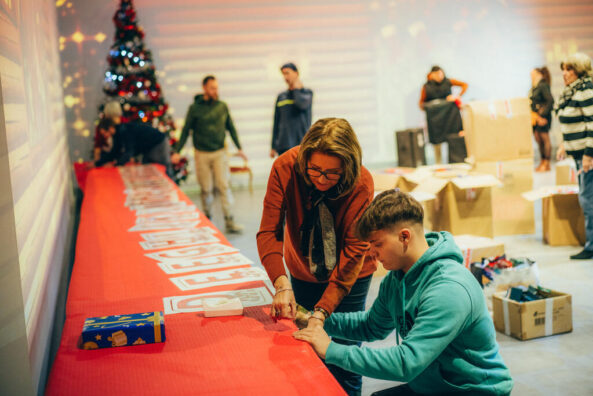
(575, 113)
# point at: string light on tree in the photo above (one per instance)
(131, 79)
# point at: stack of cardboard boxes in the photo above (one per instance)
(499, 142)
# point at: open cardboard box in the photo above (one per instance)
(526, 320)
(563, 221)
(475, 248)
(389, 178)
(463, 204)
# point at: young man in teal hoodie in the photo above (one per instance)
(431, 301)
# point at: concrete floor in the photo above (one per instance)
(555, 365)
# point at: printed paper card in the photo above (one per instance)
(146, 199)
(173, 207)
(192, 236)
(146, 183)
(192, 252)
(252, 297)
(220, 278)
(165, 221)
(139, 192)
(173, 234)
(181, 266)
(145, 170)
(159, 205)
(164, 226)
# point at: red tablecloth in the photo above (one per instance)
(81, 171)
(247, 354)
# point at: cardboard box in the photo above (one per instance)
(566, 172)
(463, 204)
(123, 330)
(532, 319)
(498, 130)
(563, 221)
(428, 204)
(511, 214)
(475, 248)
(387, 179)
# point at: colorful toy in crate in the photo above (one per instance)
(123, 330)
(528, 293)
(486, 270)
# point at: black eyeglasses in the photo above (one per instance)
(329, 175)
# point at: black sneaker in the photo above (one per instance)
(584, 255)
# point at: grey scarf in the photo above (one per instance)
(318, 237)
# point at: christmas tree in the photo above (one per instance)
(131, 80)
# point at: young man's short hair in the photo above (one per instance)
(387, 210)
(289, 65)
(207, 78)
(105, 124)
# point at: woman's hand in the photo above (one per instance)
(315, 336)
(541, 121)
(284, 303)
(561, 152)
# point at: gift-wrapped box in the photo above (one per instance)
(123, 330)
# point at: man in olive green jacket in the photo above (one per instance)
(209, 119)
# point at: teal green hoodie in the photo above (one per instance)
(448, 338)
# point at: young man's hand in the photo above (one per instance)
(316, 336)
(175, 158)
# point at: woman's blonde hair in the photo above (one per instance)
(333, 136)
(112, 109)
(578, 62)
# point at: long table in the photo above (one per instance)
(143, 246)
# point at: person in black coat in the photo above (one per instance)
(132, 139)
(441, 106)
(542, 104)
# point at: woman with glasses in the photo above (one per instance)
(316, 192)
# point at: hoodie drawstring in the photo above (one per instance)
(403, 300)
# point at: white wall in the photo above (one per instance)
(365, 60)
(38, 178)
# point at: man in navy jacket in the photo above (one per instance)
(292, 114)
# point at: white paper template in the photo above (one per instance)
(181, 266)
(219, 278)
(192, 252)
(252, 297)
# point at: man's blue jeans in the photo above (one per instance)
(586, 201)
